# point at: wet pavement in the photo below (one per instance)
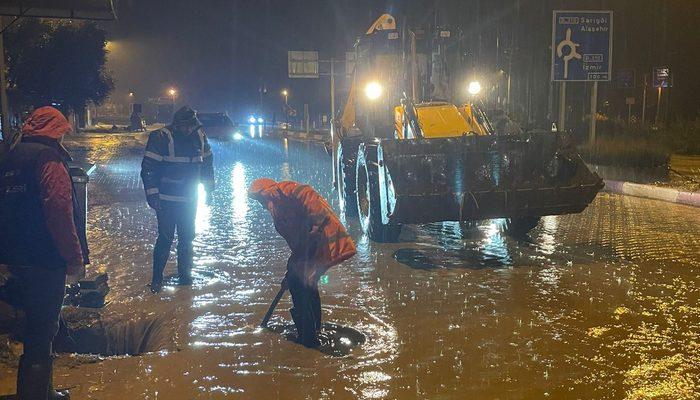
(601, 305)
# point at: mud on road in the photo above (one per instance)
(601, 305)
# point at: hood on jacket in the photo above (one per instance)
(259, 187)
(46, 122)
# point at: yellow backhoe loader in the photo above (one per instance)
(405, 152)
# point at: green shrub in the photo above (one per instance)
(683, 136)
(628, 151)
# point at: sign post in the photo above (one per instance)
(581, 52)
(662, 79)
(629, 101)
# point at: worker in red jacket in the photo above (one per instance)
(318, 241)
(41, 240)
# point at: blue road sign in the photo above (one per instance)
(581, 45)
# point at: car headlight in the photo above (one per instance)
(373, 90)
(474, 88)
(260, 120)
(237, 136)
(251, 119)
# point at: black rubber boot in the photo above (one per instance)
(156, 286)
(56, 394)
(184, 279)
(33, 380)
(296, 318)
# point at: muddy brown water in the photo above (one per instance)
(601, 305)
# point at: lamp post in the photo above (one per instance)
(285, 93)
(172, 92)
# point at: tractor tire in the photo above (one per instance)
(520, 226)
(368, 206)
(346, 157)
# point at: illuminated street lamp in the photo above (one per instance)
(285, 93)
(172, 92)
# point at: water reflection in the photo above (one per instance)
(239, 203)
(597, 305)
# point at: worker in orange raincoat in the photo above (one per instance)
(318, 241)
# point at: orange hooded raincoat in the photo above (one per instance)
(314, 233)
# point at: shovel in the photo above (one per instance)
(273, 305)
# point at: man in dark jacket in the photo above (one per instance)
(177, 159)
(39, 241)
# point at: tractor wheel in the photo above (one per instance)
(368, 199)
(347, 160)
(521, 226)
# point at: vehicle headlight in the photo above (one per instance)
(237, 136)
(260, 120)
(251, 119)
(474, 88)
(373, 90)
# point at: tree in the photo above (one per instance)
(57, 63)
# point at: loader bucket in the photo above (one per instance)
(482, 177)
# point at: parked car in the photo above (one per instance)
(217, 125)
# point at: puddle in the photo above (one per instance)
(336, 340)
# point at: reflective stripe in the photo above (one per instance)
(171, 143)
(183, 160)
(298, 189)
(153, 155)
(177, 159)
(170, 180)
(152, 191)
(167, 197)
(200, 131)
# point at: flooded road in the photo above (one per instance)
(601, 305)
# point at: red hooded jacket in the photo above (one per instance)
(56, 186)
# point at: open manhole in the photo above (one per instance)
(86, 331)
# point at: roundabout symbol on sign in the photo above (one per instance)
(567, 42)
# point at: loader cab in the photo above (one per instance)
(378, 75)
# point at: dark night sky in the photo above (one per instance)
(218, 53)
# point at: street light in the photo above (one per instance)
(285, 93)
(172, 92)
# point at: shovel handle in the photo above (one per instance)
(273, 305)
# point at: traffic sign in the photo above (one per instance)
(626, 78)
(662, 77)
(303, 64)
(581, 45)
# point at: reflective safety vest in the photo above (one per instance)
(174, 165)
(309, 225)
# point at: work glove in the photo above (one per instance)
(153, 201)
(75, 272)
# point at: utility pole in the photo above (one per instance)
(594, 113)
(644, 101)
(657, 119)
(562, 105)
(6, 128)
(332, 89)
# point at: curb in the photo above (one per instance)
(653, 192)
